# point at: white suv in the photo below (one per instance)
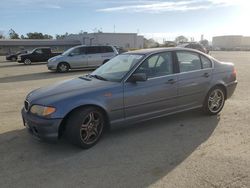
(82, 57)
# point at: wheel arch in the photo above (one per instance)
(64, 121)
(220, 85)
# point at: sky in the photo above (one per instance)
(161, 20)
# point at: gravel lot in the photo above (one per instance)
(184, 150)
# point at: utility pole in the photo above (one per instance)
(114, 28)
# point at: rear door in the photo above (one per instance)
(157, 95)
(194, 78)
(107, 52)
(94, 56)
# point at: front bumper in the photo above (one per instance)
(45, 129)
(51, 67)
(231, 88)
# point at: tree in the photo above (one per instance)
(1, 35)
(13, 34)
(37, 35)
(204, 42)
(150, 43)
(61, 36)
(181, 39)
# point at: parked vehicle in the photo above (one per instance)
(82, 57)
(131, 87)
(36, 55)
(194, 45)
(13, 57)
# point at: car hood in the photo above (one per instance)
(68, 88)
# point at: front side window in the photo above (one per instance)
(116, 68)
(188, 61)
(157, 65)
(77, 51)
(39, 51)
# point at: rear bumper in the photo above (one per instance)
(45, 129)
(231, 88)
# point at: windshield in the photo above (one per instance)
(116, 68)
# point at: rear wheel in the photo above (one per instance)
(214, 101)
(27, 61)
(85, 126)
(63, 67)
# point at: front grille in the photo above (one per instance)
(26, 105)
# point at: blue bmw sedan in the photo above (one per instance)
(132, 87)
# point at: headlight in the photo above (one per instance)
(42, 110)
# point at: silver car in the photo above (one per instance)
(82, 57)
(131, 87)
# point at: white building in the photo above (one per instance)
(124, 40)
(232, 42)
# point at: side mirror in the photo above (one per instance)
(70, 54)
(138, 77)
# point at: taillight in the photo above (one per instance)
(234, 73)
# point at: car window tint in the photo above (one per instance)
(106, 49)
(92, 50)
(157, 65)
(206, 63)
(188, 61)
(39, 51)
(76, 51)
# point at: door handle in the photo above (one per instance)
(171, 81)
(206, 75)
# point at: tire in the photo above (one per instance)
(214, 101)
(85, 127)
(27, 62)
(13, 59)
(62, 67)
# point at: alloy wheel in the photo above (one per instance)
(216, 100)
(91, 127)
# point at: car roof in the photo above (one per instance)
(158, 50)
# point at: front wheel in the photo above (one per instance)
(27, 61)
(13, 59)
(85, 126)
(214, 101)
(63, 67)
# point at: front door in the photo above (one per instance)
(157, 95)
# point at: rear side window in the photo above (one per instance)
(92, 50)
(206, 63)
(188, 61)
(106, 49)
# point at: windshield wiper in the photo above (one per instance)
(98, 77)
